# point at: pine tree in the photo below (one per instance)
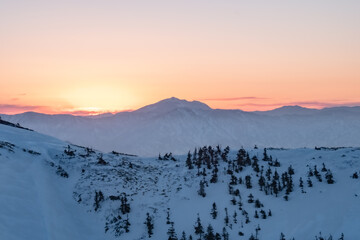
(323, 169)
(214, 176)
(282, 236)
(99, 197)
(214, 211)
(209, 233)
(329, 177)
(183, 236)
(301, 183)
(217, 236)
(201, 191)
(168, 216)
(291, 170)
(127, 224)
(125, 206)
(225, 234)
(263, 214)
(171, 232)
(240, 204)
(251, 198)
(149, 224)
(258, 204)
(226, 219)
(199, 230)
(310, 184)
(310, 172)
(189, 162)
(266, 157)
(261, 182)
(235, 217)
(248, 182)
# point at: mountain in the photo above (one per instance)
(177, 125)
(289, 110)
(54, 190)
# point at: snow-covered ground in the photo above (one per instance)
(48, 190)
(178, 125)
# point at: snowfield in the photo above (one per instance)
(50, 189)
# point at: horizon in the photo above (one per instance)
(119, 56)
(94, 113)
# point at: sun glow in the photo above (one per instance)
(99, 99)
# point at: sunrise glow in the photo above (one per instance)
(93, 58)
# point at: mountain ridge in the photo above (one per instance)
(177, 124)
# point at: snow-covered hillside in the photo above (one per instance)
(178, 125)
(54, 190)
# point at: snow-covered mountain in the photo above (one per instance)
(177, 125)
(50, 189)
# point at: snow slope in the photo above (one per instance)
(36, 203)
(42, 204)
(178, 125)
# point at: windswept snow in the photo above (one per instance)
(40, 203)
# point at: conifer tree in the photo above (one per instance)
(226, 219)
(323, 169)
(235, 217)
(125, 206)
(188, 161)
(251, 198)
(248, 182)
(301, 183)
(149, 224)
(266, 157)
(209, 233)
(171, 232)
(329, 177)
(99, 197)
(282, 236)
(201, 191)
(258, 204)
(291, 170)
(199, 230)
(214, 211)
(225, 234)
(127, 224)
(263, 214)
(168, 216)
(183, 236)
(214, 176)
(261, 182)
(217, 236)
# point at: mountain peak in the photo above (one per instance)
(289, 110)
(173, 103)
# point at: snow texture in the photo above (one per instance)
(48, 189)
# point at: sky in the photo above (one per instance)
(87, 57)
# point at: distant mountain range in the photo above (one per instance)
(179, 125)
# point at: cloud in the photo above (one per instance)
(309, 104)
(233, 99)
(13, 108)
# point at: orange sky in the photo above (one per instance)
(99, 56)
